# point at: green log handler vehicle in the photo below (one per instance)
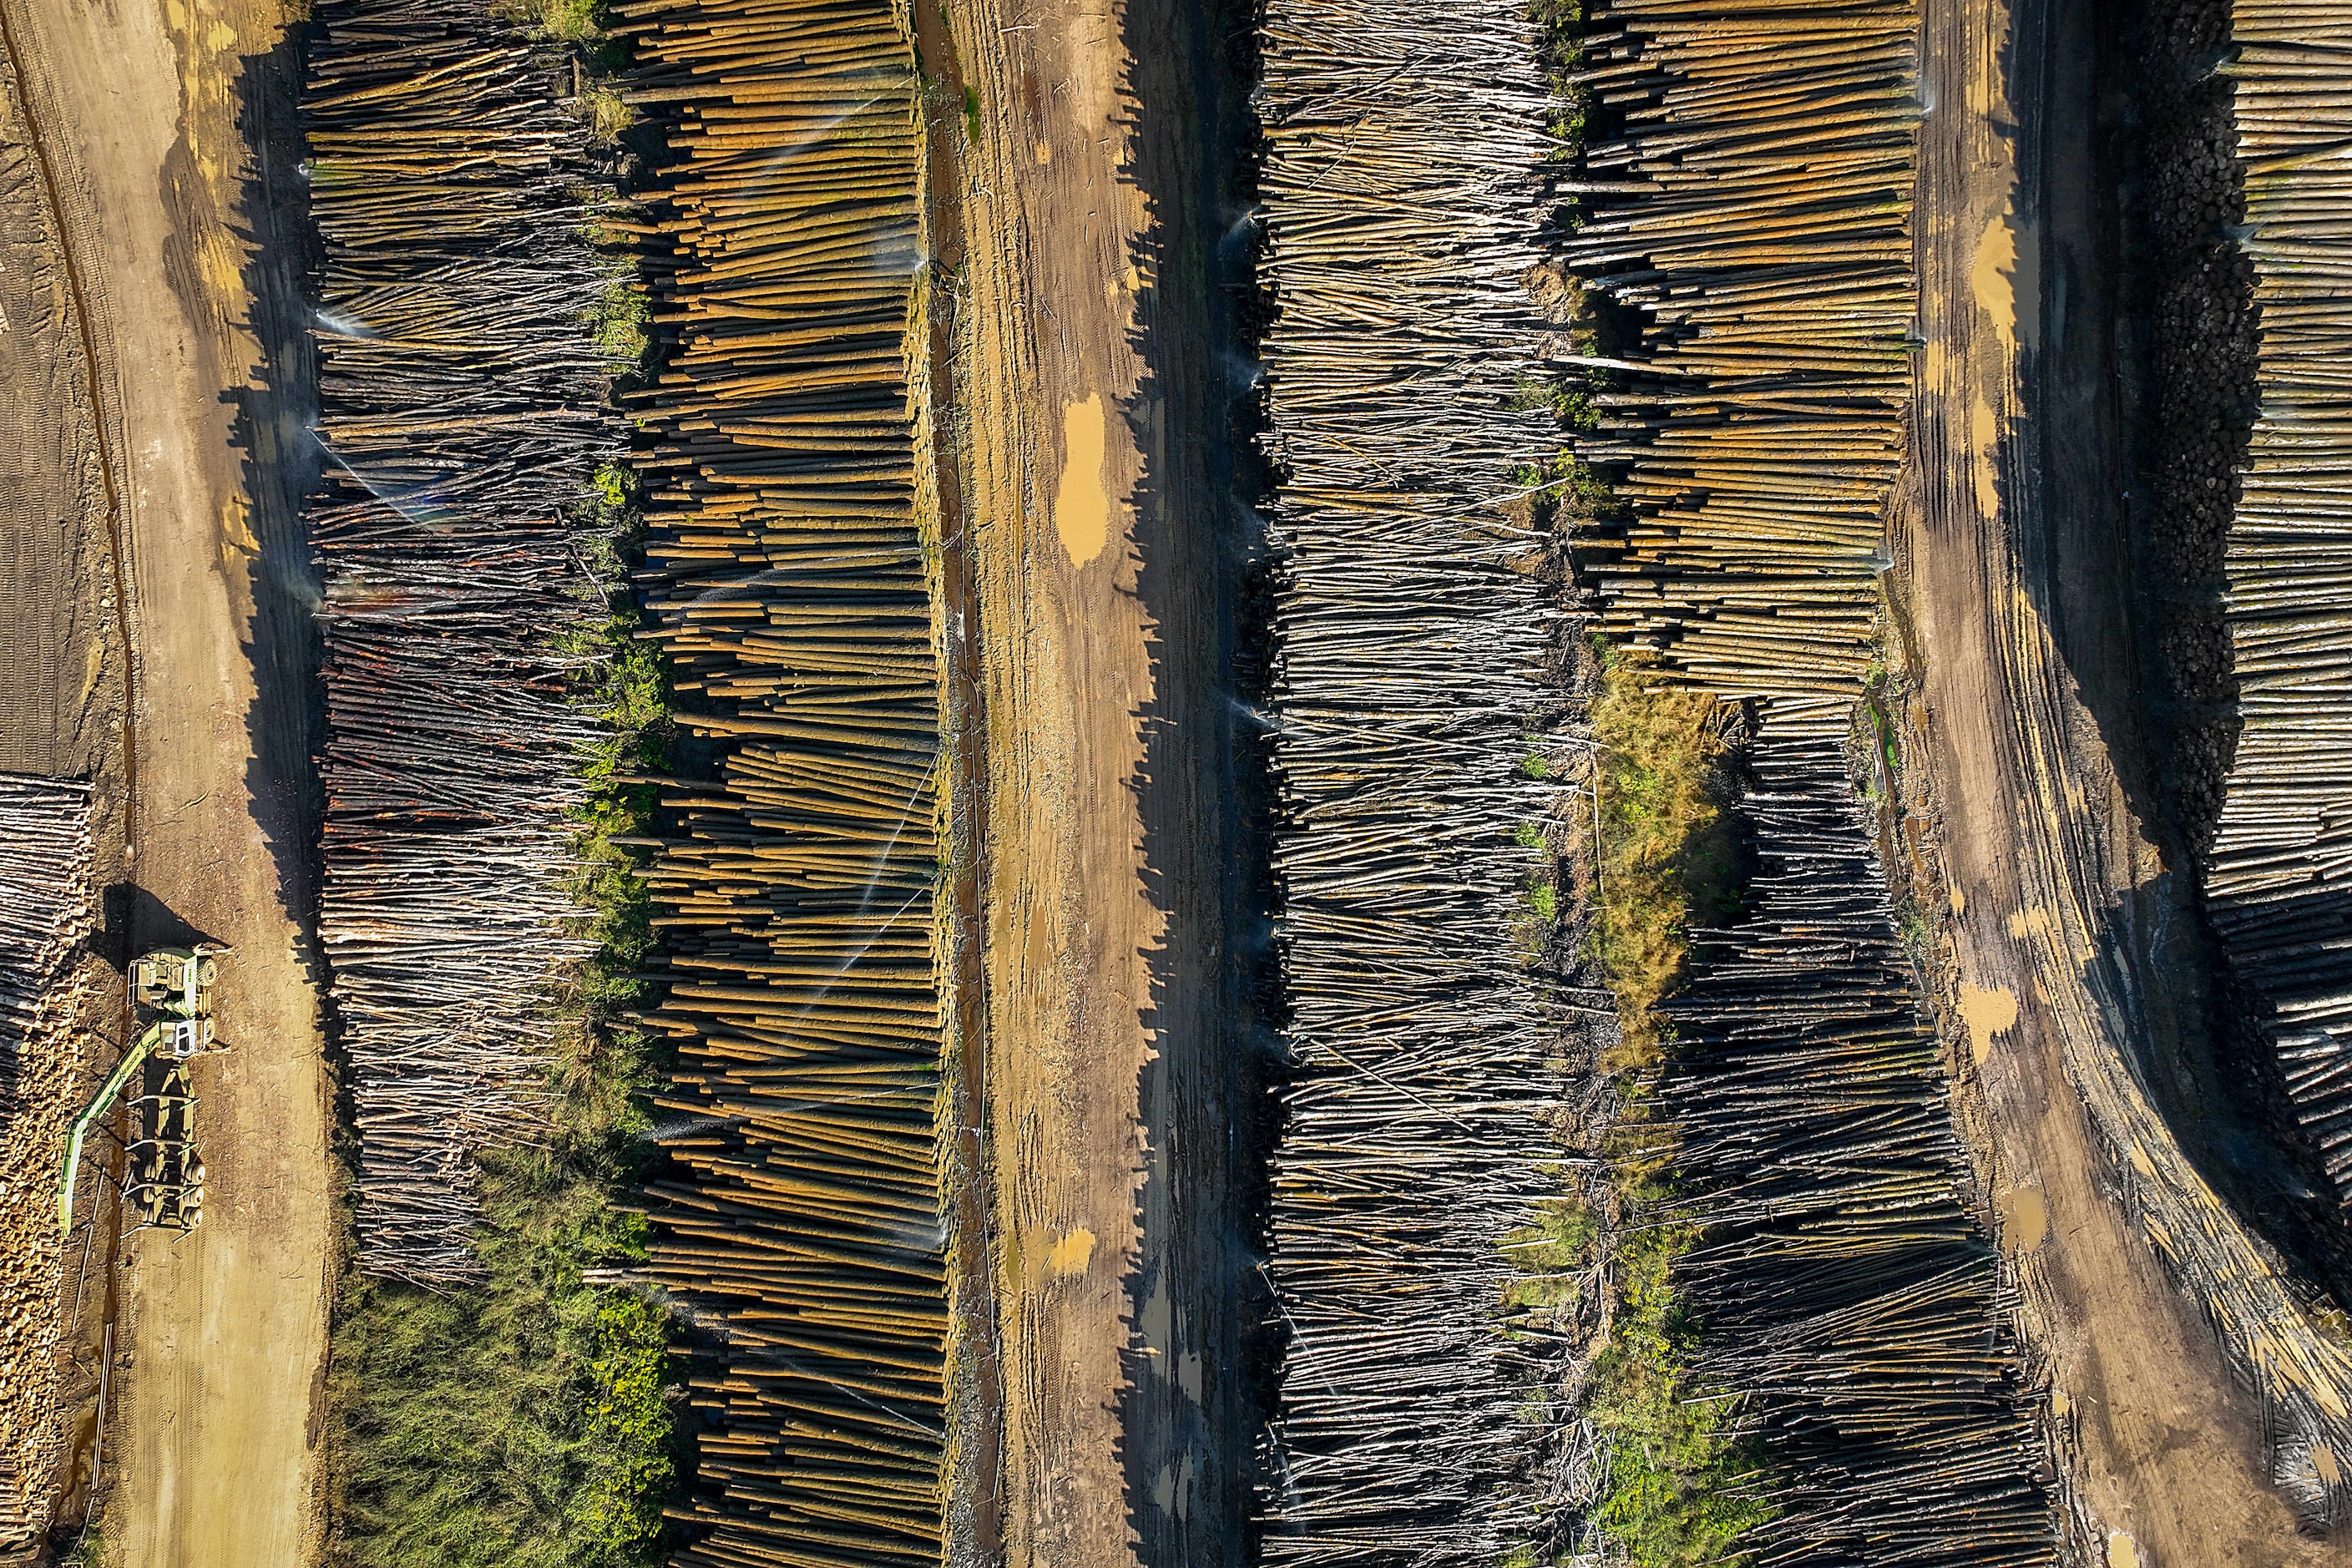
(171, 1005)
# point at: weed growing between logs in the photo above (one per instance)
(1659, 1466)
(1667, 851)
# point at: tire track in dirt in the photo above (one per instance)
(44, 162)
(2043, 861)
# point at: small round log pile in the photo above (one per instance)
(463, 406)
(1842, 1284)
(799, 1219)
(47, 904)
(1401, 143)
(2280, 873)
(1757, 210)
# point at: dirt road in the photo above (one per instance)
(150, 111)
(1097, 525)
(2059, 897)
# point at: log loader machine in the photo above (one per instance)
(171, 1006)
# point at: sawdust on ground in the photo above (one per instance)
(159, 118)
(2037, 839)
(1092, 408)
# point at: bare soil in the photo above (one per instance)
(2068, 933)
(1097, 522)
(167, 125)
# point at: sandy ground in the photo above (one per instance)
(1093, 522)
(149, 111)
(2057, 892)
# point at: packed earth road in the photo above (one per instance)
(1101, 536)
(2057, 891)
(167, 134)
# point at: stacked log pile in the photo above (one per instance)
(47, 904)
(2280, 873)
(463, 409)
(1757, 210)
(48, 1000)
(1400, 143)
(797, 873)
(1843, 1286)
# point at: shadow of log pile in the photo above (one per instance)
(796, 881)
(1760, 215)
(47, 906)
(1846, 1289)
(2279, 877)
(1400, 148)
(463, 406)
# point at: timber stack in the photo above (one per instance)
(1411, 649)
(799, 1219)
(2279, 877)
(464, 408)
(1847, 1290)
(1757, 210)
(45, 865)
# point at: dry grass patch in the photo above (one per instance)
(1667, 848)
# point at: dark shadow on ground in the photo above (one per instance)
(133, 920)
(274, 407)
(2125, 572)
(1197, 1388)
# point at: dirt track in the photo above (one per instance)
(149, 111)
(2058, 895)
(1093, 503)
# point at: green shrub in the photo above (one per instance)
(1681, 1480)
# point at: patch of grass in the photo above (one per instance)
(1666, 848)
(521, 1422)
(972, 114)
(621, 320)
(1560, 27)
(568, 21)
(1549, 1256)
(608, 112)
(1681, 1474)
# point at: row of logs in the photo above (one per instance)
(464, 406)
(1402, 140)
(47, 903)
(799, 1218)
(1757, 212)
(1842, 1287)
(2280, 874)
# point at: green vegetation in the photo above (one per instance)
(1681, 1478)
(621, 320)
(1666, 848)
(1551, 1256)
(568, 21)
(972, 114)
(1559, 25)
(521, 1422)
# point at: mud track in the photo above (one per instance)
(165, 131)
(2078, 963)
(1105, 548)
